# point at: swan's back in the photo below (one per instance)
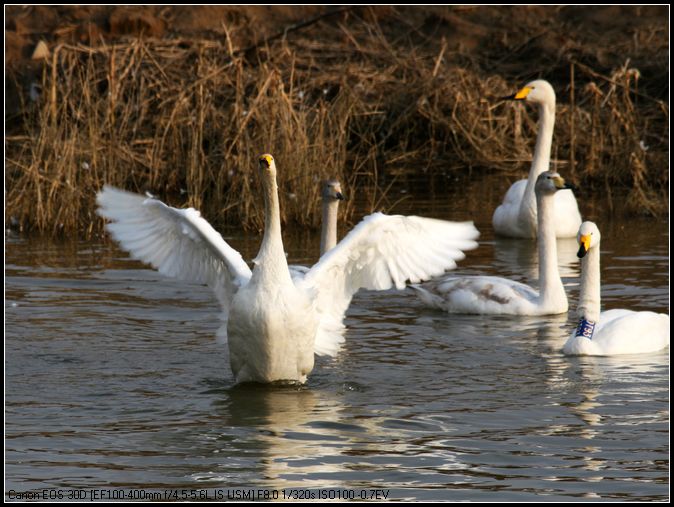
(508, 221)
(506, 215)
(622, 332)
(479, 295)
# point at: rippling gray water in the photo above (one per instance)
(114, 381)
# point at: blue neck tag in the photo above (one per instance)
(585, 329)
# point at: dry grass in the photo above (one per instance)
(176, 122)
(187, 121)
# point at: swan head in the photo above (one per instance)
(550, 182)
(588, 237)
(538, 91)
(267, 164)
(332, 191)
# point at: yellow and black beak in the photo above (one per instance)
(584, 246)
(339, 196)
(561, 184)
(265, 161)
(520, 95)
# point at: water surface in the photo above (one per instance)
(114, 379)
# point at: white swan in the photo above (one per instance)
(516, 216)
(331, 194)
(275, 323)
(614, 331)
(495, 295)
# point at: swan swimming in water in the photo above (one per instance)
(614, 331)
(331, 194)
(495, 295)
(276, 323)
(516, 216)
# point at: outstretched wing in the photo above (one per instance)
(381, 252)
(176, 242)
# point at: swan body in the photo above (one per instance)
(516, 216)
(480, 295)
(612, 332)
(271, 329)
(495, 295)
(276, 323)
(514, 219)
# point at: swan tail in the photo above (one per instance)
(427, 296)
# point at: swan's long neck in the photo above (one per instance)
(271, 258)
(551, 287)
(589, 303)
(329, 230)
(541, 160)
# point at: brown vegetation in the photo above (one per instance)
(359, 94)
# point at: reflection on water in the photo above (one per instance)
(510, 252)
(114, 378)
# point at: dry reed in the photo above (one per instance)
(187, 121)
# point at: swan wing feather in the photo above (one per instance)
(177, 242)
(381, 252)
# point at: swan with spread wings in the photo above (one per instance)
(276, 323)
